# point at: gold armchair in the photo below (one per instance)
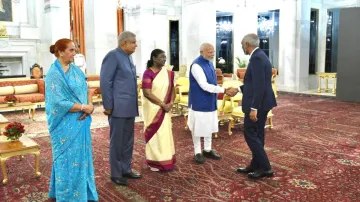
(139, 85)
(227, 104)
(182, 70)
(181, 90)
(273, 84)
(238, 115)
(182, 86)
(183, 101)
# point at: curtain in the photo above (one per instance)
(77, 24)
(120, 21)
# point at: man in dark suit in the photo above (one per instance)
(119, 94)
(258, 99)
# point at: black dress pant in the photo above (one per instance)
(254, 133)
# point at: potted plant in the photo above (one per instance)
(240, 72)
(10, 99)
(13, 131)
(240, 63)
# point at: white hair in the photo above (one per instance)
(204, 45)
(252, 39)
(126, 35)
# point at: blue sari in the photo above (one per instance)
(72, 176)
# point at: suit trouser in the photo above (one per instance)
(254, 133)
(121, 145)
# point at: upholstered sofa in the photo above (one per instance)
(25, 90)
(93, 82)
(32, 90)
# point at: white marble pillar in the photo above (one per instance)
(294, 37)
(100, 32)
(198, 26)
(32, 13)
(287, 54)
(55, 25)
(24, 12)
(321, 43)
(150, 23)
(244, 22)
(302, 45)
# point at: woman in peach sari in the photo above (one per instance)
(158, 91)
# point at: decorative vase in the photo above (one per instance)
(14, 138)
(240, 72)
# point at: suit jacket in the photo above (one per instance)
(118, 84)
(257, 89)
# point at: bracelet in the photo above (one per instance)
(82, 106)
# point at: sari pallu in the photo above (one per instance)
(72, 177)
(160, 150)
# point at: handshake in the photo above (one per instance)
(231, 91)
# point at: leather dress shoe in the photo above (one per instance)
(260, 174)
(199, 158)
(245, 170)
(211, 154)
(132, 175)
(120, 181)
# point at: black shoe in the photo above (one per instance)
(260, 174)
(132, 175)
(246, 170)
(120, 181)
(199, 158)
(211, 154)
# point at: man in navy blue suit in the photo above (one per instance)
(120, 99)
(258, 99)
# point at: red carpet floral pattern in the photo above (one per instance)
(314, 149)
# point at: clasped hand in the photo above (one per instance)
(87, 109)
(167, 107)
(231, 91)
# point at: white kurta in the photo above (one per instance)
(79, 60)
(203, 124)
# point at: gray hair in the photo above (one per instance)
(125, 35)
(204, 45)
(252, 39)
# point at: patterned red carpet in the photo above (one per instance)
(314, 149)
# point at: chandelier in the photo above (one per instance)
(224, 27)
(127, 4)
(329, 18)
(266, 26)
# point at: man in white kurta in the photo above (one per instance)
(79, 60)
(203, 120)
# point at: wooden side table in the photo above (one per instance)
(326, 76)
(20, 106)
(24, 146)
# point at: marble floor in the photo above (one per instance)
(312, 92)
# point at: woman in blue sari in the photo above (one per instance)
(68, 109)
